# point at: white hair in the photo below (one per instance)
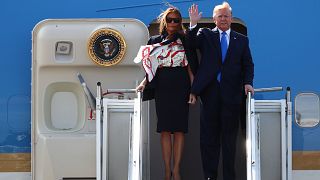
(224, 5)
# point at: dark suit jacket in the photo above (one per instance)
(236, 71)
(192, 58)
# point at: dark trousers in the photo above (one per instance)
(219, 124)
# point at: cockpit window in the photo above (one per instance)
(307, 109)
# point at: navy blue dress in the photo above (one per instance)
(171, 96)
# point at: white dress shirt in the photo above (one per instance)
(228, 35)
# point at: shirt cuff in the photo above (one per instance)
(192, 27)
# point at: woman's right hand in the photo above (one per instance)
(140, 88)
(142, 85)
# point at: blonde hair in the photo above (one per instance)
(162, 19)
(224, 5)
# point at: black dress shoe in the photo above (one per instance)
(209, 178)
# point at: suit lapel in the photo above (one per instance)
(216, 37)
(231, 46)
(216, 40)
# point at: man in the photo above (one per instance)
(225, 69)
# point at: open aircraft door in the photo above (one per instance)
(268, 137)
(69, 57)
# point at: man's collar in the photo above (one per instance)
(227, 31)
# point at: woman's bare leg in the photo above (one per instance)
(178, 144)
(166, 153)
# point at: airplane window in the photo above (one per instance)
(307, 109)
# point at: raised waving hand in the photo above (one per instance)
(194, 15)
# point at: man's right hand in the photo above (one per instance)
(194, 15)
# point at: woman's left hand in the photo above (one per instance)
(192, 99)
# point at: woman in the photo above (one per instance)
(171, 85)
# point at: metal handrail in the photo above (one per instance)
(135, 159)
(248, 137)
(121, 91)
(271, 89)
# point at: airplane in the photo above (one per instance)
(46, 57)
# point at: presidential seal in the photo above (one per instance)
(106, 47)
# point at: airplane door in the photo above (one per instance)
(268, 138)
(68, 55)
